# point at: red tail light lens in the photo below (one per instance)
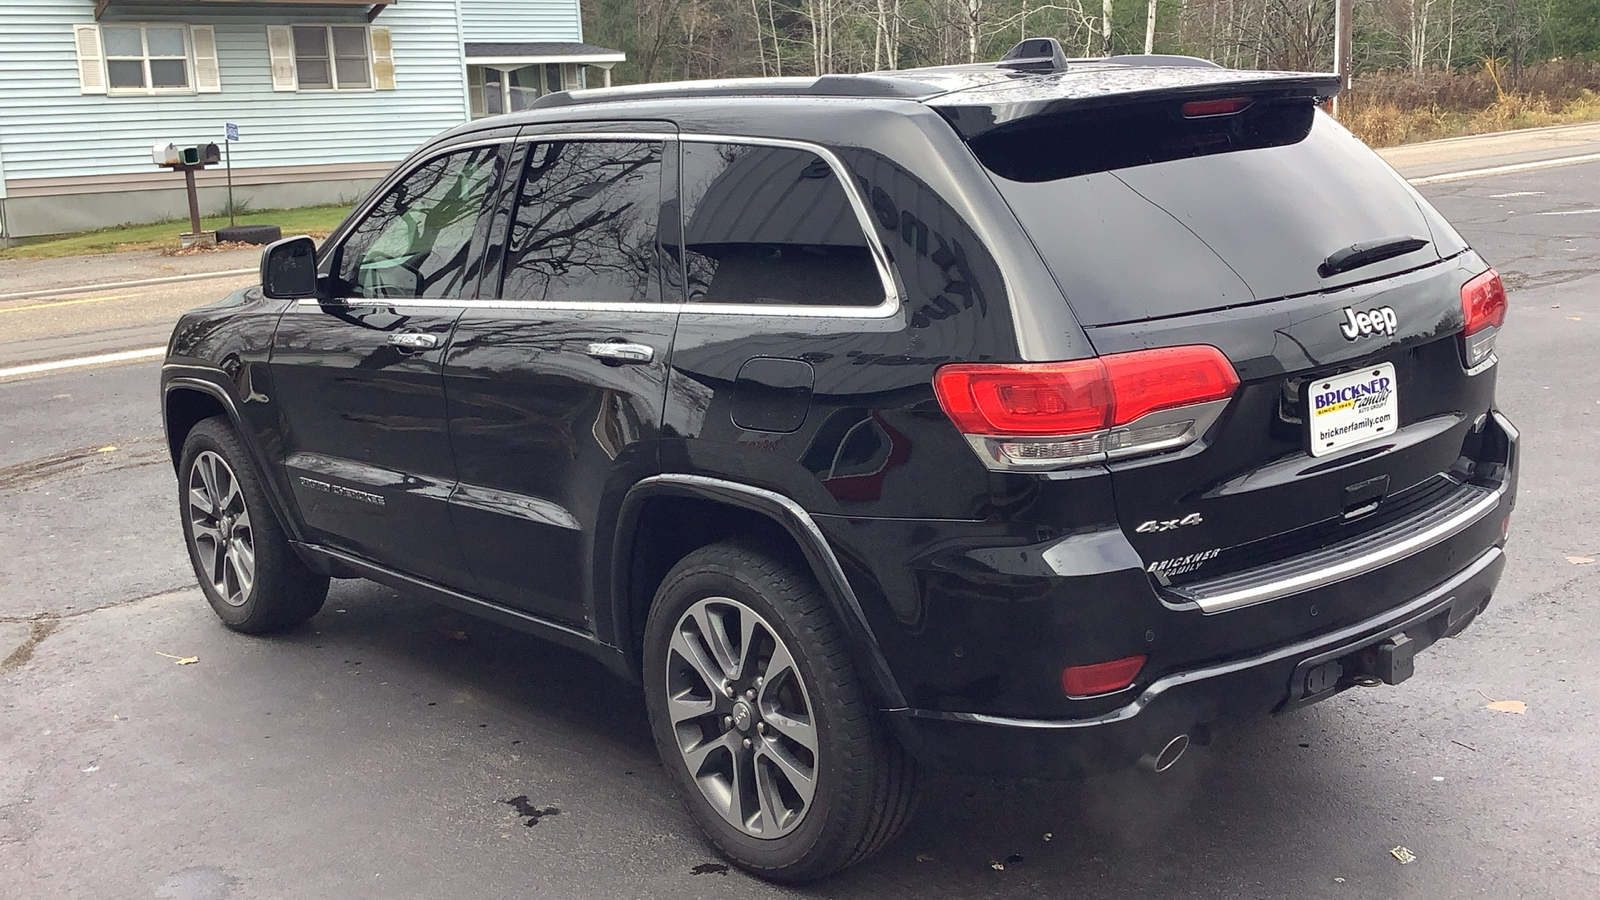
(1483, 300)
(1101, 678)
(1152, 380)
(1041, 415)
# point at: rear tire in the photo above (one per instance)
(250, 575)
(793, 775)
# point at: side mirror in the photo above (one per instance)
(289, 269)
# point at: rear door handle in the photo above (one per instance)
(411, 340)
(622, 353)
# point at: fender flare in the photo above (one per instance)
(207, 381)
(794, 519)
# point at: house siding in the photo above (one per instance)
(521, 21)
(53, 131)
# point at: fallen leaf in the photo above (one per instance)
(1576, 318)
(94, 768)
(181, 660)
(1048, 835)
(1338, 880)
(925, 857)
(1403, 854)
(1510, 706)
(1580, 560)
(106, 449)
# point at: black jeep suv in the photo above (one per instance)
(1029, 418)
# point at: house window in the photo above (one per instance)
(147, 59)
(332, 57)
(495, 91)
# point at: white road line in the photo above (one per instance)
(120, 285)
(1501, 170)
(81, 361)
(1569, 212)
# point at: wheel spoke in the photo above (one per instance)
(200, 501)
(243, 562)
(799, 778)
(767, 796)
(207, 466)
(683, 709)
(714, 634)
(692, 653)
(747, 641)
(228, 488)
(697, 755)
(205, 531)
(801, 732)
(779, 665)
(744, 765)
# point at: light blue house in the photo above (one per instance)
(327, 94)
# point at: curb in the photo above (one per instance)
(117, 285)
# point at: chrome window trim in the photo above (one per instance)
(890, 306)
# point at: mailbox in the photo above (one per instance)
(164, 154)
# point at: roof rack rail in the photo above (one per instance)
(884, 86)
(1161, 59)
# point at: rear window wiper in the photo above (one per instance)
(1365, 254)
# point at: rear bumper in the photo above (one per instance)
(1189, 702)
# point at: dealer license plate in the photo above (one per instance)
(1352, 409)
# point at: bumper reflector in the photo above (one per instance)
(1100, 678)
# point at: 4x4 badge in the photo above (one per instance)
(1168, 524)
(1373, 321)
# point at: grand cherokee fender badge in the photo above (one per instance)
(339, 490)
(1155, 525)
(1371, 321)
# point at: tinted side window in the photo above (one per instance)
(585, 224)
(418, 240)
(771, 225)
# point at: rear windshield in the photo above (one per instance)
(1138, 218)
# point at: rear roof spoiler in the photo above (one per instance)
(979, 110)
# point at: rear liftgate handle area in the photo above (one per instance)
(618, 353)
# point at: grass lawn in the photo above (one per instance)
(313, 220)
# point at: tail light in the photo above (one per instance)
(1028, 416)
(1483, 300)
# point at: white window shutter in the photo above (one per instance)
(91, 61)
(207, 76)
(280, 41)
(382, 58)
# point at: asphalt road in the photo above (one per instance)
(372, 753)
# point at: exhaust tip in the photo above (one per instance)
(1167, 756)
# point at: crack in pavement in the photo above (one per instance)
(42, 629)
(79, 459)
(77, 613)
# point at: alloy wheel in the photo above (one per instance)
(219, 523)
(742, 717)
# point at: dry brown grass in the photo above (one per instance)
(1386, 109)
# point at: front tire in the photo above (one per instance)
(761, 722)
(250, 575)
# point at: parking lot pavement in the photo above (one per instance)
(381, 750)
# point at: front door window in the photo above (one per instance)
(418, 241)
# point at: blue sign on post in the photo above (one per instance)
(233, 131)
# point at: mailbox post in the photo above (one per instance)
(188, 160)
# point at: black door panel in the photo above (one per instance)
(366, 444)
(555, 391)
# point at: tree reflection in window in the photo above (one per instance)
(585, 226)
(417, 242)
(771, 225)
